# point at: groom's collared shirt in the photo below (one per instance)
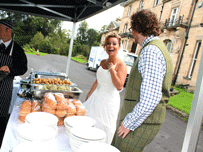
(152, 67)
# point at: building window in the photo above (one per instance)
(141, 3)
(125, 44)
(125, 28)
(129, 10)
(169, 46)
(197, 48)
(156, 2)
(174, 14)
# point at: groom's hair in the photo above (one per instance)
(114, 35)
(145, 22)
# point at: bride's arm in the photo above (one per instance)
(118, 77)
(92, 89)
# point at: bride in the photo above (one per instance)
(103, 99)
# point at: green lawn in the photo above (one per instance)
(35, 52)
(182, 101)
(79, 60)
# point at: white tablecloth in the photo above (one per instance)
(10, 141)
(16, 87)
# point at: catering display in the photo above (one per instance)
(38, 83)
(49, 112)
(53, 103)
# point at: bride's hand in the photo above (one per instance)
(112, 66)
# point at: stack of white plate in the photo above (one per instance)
(35, 147)
(79, 136)
(32, 133)
(97, 147)
(43, 118)
(78, 121)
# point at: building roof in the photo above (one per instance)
(112, 26)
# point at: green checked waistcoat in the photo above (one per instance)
(132, 92)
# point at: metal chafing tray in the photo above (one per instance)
(42, 74)
(73, 93)
(38, 86)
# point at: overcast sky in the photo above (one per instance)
(97, 21)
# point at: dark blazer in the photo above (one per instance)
(19, 60)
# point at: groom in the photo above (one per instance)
(147, 90)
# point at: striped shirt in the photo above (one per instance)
(152, 67)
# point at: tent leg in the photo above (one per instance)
(196, 113)
(70, 48)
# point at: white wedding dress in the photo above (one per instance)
(104, 103)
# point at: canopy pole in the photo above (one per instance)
(196, 112)
(70, 48)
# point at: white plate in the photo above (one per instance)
(35, 132)
(35, 147)
(42, 118)
(73, 137)
(88, 133)
(79, 120)
(98, 147)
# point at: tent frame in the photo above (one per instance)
(196, 113)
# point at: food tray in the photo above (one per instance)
(38, 86)
(42, 74)
(73, 93)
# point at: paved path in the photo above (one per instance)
(169, 139)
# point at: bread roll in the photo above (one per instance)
(69, 115)
(49, 101)
(22, 119)
(61, 121)
(52, 111)
(24, 111)
(80, 114)
(71, 109)
(80, 110)
(36, 106)
(26, 105)
(77, 102)
(61, 113)
(61, 101)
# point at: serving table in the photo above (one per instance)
(10, 141)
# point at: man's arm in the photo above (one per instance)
(150, 67)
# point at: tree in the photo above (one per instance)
(92, 35)
(37, 40)
(82, 32)
(26, 26)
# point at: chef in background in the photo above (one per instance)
(13, 61)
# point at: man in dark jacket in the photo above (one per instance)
(12, 61)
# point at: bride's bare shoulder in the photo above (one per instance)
(102, 62)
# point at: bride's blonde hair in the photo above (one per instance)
(114, 35)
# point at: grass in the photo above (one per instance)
(80, 59)
(35, 52)
(182, 101)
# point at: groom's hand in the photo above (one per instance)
(123, 131)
